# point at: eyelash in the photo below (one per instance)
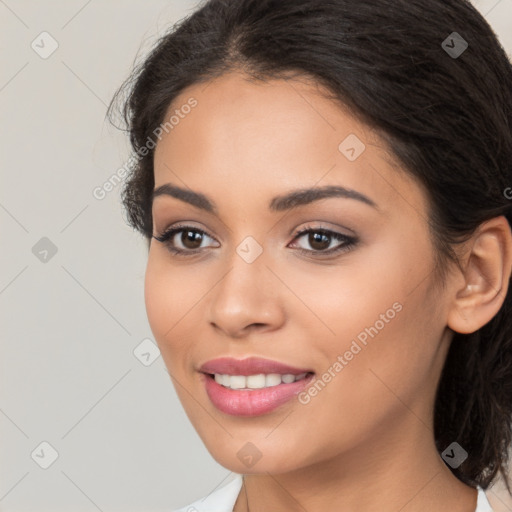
(349, 242)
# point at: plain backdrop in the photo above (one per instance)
(89, 418)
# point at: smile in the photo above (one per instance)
(258, 381)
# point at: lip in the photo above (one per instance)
(249, 366)
(252, 402)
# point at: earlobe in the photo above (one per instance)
(486, 277)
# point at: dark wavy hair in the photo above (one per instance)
(446, 118)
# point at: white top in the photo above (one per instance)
(224, 498)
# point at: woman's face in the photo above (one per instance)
(366, 320)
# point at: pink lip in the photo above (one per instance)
(240, 402)
(249, 366)
(243, 402)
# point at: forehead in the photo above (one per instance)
(269, 137)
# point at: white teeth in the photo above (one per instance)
(237, 381)
(257, 381)
(272, 379)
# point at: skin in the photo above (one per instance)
(365, 442)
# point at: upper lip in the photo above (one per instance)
(249, 366)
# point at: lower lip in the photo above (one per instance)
(239, 402)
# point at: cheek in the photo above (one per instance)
(173, 297)
(156, 299)
(168, 299)
(352, 296)
(380, 314)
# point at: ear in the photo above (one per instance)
(485, 279)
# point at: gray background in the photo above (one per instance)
(72, 320)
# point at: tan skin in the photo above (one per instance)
(365, 442)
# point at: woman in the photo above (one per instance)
(324, 187)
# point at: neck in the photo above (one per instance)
(388, 475)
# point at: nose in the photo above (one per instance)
(246, 299)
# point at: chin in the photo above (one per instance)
(247, 458)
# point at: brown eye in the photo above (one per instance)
(320, 240)
(191, 239)
(188, 241)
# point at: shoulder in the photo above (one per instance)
(220, 500)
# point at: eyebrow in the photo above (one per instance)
(293, 199)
